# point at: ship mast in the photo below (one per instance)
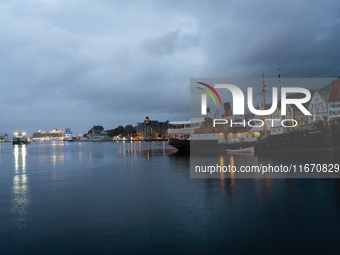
(280, 79)
(264, 104)
(281, 86)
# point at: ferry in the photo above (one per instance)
(20, 138)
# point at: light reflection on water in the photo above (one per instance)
(21, 199)
(147, 149)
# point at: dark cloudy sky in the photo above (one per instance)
(79, 63)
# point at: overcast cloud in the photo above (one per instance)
(81, 63)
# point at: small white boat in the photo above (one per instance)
(241, 150)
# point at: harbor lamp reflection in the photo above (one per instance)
(21, 198)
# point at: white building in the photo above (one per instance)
(318, 107)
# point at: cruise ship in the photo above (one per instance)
(43, 136)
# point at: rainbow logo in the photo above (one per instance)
(209, 93)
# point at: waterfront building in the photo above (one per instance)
(152, 129)
(97, 130)
(334, 100)
(277, 113)
(292, 112)
(318, 107)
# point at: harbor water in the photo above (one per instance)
(138, 198)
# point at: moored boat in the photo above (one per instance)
(20, 138)
(197, 134)
(241, 150)
(3, 138)
(242, 140)
(102, 137)
(68, 135)
(308, 139)
(201, 134)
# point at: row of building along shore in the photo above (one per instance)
(146, 130)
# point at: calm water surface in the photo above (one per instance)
(138, 198)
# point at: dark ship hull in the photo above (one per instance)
(326, 139)
(183, 145)
(20, 141)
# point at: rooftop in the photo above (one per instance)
(334, 93)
